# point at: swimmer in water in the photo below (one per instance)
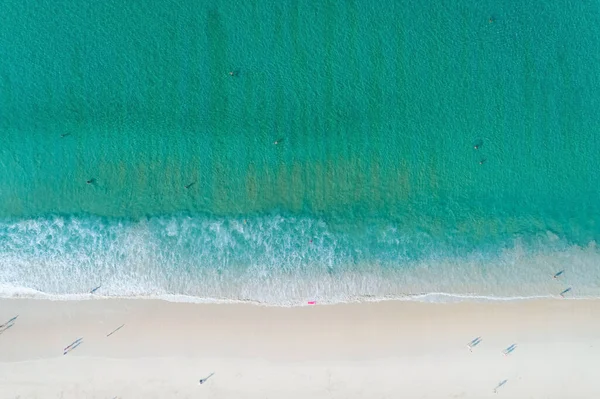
(278, 141)
(482, 161)
(91, 181)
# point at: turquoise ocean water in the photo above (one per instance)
(374, 189)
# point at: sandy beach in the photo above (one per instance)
(369, 350)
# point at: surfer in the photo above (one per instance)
(91, 181)
(482, 161)
(278, 141)
(190, 185)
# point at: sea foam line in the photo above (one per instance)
(433, 297)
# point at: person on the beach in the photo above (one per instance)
(562, 294)
(557, 275)
(203, 380)
(473, 343)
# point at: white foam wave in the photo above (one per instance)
(277, 261)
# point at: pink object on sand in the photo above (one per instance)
(312, 302)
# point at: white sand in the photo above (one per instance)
(376, 350)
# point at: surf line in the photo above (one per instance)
(73, 345)
(115, 330)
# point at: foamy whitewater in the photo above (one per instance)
(276, 261)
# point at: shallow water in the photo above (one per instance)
(375, 108)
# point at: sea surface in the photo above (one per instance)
(287, 151)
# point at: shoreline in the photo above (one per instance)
(433, 297)
(370, 350)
